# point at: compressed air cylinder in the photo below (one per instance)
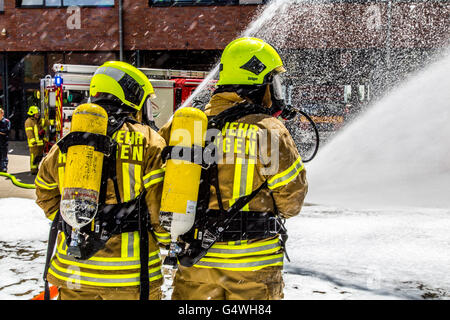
(182, 177)
(83, 170)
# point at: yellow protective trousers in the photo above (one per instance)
(92, 294)
(36, 153)
(219, 284)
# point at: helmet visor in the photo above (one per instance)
(277, 88)
(132, 90)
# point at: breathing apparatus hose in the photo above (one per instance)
(289, 112)
(316, 132)
(17, 182)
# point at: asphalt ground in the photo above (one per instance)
(19, 166)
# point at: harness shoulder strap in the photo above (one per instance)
(144, 283)
(100, 142)
(110, 162)
(144, 286)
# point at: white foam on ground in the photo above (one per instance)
(22, 219)
(335, 253)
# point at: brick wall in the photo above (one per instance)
(46, 29)
(347, 25)
(183, 28)
(171, 28)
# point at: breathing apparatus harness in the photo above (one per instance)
(111, 219)
(211, 226)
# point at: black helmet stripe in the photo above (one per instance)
(133, 91)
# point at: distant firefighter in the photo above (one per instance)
(5, 127)
(35, 132)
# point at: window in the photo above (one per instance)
(33, 68)
(164, 3)
(54, 58)
(2, 5)
(88, 2)
(63, 3)
(190, 2)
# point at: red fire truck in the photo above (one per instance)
(69, 86)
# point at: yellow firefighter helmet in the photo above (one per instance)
(248, 61)
(33, 110)
(124, 81)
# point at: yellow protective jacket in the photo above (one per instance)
(138, 167)
(282, 168)
(32, 128)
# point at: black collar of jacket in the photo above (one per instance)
(236, 112)
(118, 113)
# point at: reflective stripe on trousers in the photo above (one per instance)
(243, 249)
(242, 256)
(251, 264)
(32, 164)
(74, 276)
(128, 260)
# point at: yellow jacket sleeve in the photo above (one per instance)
(153, 182)
(285, 172)
(47, 189)
(164, 131)
(29, 131)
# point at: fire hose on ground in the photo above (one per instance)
(17, 182)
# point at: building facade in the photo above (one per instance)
(190, 34)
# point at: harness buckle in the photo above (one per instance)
(208, 239)
(274, 225)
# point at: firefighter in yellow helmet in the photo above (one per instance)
(34, 131)
(259, 177)
(116, 256)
